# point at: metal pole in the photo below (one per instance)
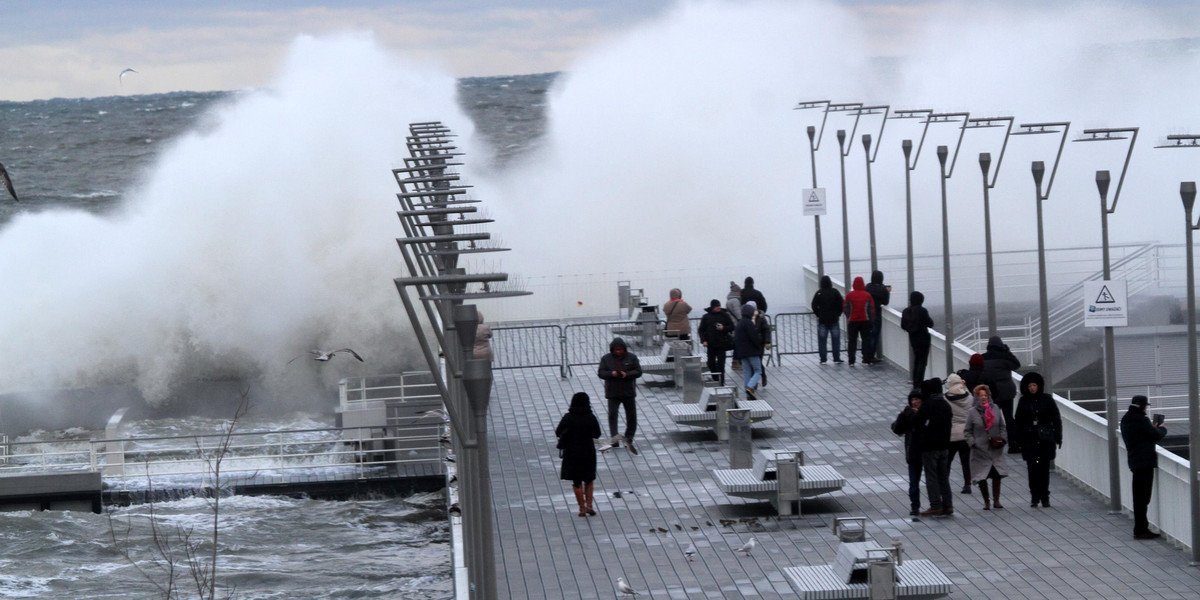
(1039, 169)
(812, 153)
(1187, 192)
(907, 146)
(985, 163)
(841, 137)
(866, 140)
(1110, 362)
(942, 152)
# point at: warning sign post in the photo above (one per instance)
(814, 202)
(1105, 304)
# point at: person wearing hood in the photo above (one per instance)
(960, 401)
(974, 375)
(763, 325)
(733, 304)
(827, 306)
(751, 294)
(903, 425)
(881, 294)
(577, 432)
(620, 369)
(716, 335)
(916, 321)
(1039, 427)
(998, 366)
(1141, 436)
(986, 434)
(748, 347)
(676, 310)
(932, 431)
(859, 308)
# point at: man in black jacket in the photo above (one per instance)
(916, 321)
(882, 294)
(931, 430)
(1140, 437)
(716, 335)
(620, 369)
(750, 293)
(827, 306)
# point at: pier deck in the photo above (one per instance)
(839, 416)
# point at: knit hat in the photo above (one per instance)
(1141, 401)
(752, 304)
(747, 311)
(714, 303)
(976, 360)
(733, 287)
(931, 386)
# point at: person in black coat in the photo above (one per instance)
(620, 369)
(576, 434)
(750, 293)
(1039, 427)
(716, 335)
(903, 425)
(827, 306)
(882, 294)
(916, 321)
(998, 366)
(1141, 436)
(931, 430)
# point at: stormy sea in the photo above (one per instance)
(85, 157)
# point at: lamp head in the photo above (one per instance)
(1102, 181)
(1187, 192)
(907, 146)
(1039, 169)
(812, 133)
(985, 162)
(942, 153)
(866, 139)
(841, 135)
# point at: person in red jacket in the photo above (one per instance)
(859, 308)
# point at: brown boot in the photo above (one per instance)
(996, 493)
(587, 493)
(983, 492)
(579, 498)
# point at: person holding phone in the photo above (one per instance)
(1140, 437)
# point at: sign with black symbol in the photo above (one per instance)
(1105, 304)
(814, 201)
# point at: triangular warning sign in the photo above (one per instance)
(813, 198)
(1105, 297)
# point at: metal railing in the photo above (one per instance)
(527, 346)
(794, 333)
(323, 454)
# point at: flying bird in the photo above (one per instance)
(121, 77)
(690, 552)
(748, 547)
(624, 588)
(8, 183)
(324, 355)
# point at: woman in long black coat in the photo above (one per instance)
(998, 366)
(577, 432)
(1039, 426)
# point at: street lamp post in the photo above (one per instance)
(943, 154)
(1039, 170)
(814, 144)
(1187, 192)
(1110, 355)
(842, 152)
(985, 161)
(910, 163)
(870, 158)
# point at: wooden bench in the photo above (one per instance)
(761, 481)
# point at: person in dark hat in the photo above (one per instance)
(577, 432)
(716, 335)
(620, 369)
(932, 433)
(998, 365)
(903, 425)
(827, 306)
(916, 321)
(1039, 427)
(1141, 435)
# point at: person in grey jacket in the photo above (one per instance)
(1141, 436)
(984, 424)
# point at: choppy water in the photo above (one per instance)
(88, 154)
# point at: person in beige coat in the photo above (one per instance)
(987, 434)
(960, 402)
(676, 311)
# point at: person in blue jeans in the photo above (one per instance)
(748, 348)
(827, 307)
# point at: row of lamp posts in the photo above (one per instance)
(1038, 169)
(433, 204)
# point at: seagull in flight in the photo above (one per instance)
(121, 77)
(8, 183)
(624, 588)
(748, 547)
(324, 355)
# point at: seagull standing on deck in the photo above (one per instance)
(748, 547)
(324, 355)
(8, 183)
(690, 552)
(624, 588)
